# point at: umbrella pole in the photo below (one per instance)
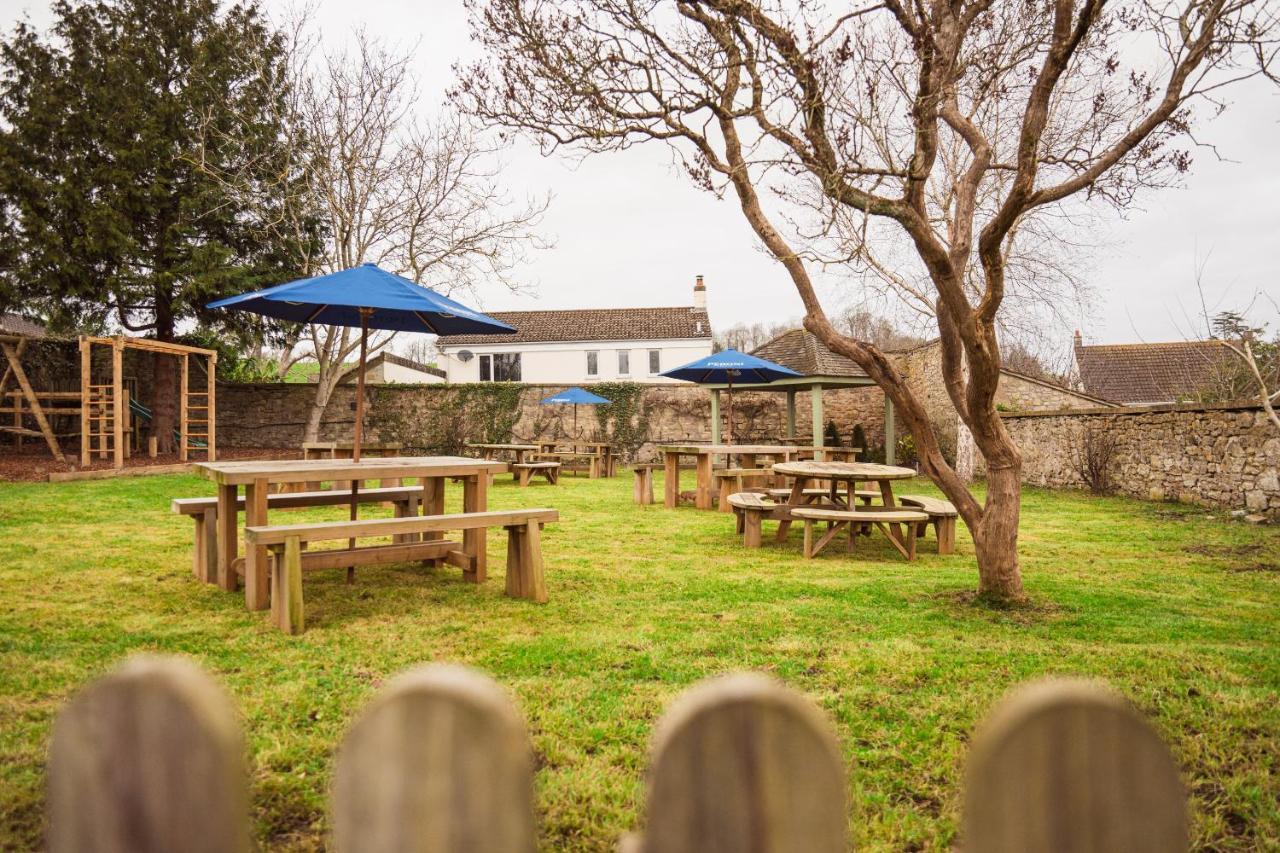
(359, 428)
(729, 431)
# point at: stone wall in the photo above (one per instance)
(439, 418)
(1226, 457)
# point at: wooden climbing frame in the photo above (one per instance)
(103, 408)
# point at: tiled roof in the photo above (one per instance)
(1150, 373)
(801, 351)
(14, 324)
(593, 324)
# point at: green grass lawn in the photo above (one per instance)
(1177, 611)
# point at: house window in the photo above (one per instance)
(593, 364)
(486, 371)
(506, 367)
(624, 362)
(655, 362)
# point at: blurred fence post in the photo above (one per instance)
(1068, 765)
(148, 759)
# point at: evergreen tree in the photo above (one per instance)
(110, 212)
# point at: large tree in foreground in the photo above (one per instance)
(950, 127)
(106, 221)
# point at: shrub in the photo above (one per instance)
(1092, 457)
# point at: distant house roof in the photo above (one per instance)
(15, 324)
(801, 351)
(1136, 374)
(391, 358)
(593, 324)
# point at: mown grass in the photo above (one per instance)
(1177, 611)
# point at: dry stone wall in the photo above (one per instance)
(439, 418)
(1226, 457)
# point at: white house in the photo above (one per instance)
(578, 347)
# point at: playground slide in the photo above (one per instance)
(143, 412)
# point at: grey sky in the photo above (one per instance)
(630, 231)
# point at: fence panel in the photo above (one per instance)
(148, 759)
(1064, 766)
(439, 761)
(743, 763)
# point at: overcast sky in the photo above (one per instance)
(630, 231)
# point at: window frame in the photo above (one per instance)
(593, 362)
(624, 362)
(655, 362)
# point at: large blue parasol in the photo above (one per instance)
(726, 366)
(371, 298)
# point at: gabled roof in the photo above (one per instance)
(16, 324)
(801, 351)
(593, 324)
(1136, 374)
(390, 358)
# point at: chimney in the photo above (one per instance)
(700, 294)
(1077, 340)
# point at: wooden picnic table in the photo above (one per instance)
(833, 474)
(706, 455)
(259, 476)
(605, 464)
(344, 450)
(492, 451)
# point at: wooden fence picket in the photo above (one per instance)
(148, 759)
(438, 762)
(744, 763)
(1067, 765)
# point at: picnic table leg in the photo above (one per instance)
(228, 537)
(286, 602)
(886, 497)
(671, 480)
(796, 499)
(256, 596)
(703, 497)
(475, 498)
(432, 504)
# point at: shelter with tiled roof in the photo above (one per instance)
(1150, 374)
(575, 346)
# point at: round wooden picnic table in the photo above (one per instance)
(850, 473)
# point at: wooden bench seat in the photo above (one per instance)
(855, 520)
(942, 514)
(524, 471)
(751, 509)
(734, 480)
(524, 551)
(594, 460)
(204, 512)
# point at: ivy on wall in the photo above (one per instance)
(443, 419)
(625, 420)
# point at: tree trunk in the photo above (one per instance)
(995, 539)
(164, 385)
(325, 385)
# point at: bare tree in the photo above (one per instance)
(373, 182)
(745, 337)
(1257, 360)
(1041, 105)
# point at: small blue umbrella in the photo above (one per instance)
(575, 396)
(726, 366)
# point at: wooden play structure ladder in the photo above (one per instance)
(13, 348)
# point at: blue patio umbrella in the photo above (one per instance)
(369, 297)
(726, 366)
(576, 397)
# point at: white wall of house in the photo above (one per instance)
(565, 362)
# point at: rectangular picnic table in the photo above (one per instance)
(600, 454)
(492, 451)
(706, 454)
(258, 476)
